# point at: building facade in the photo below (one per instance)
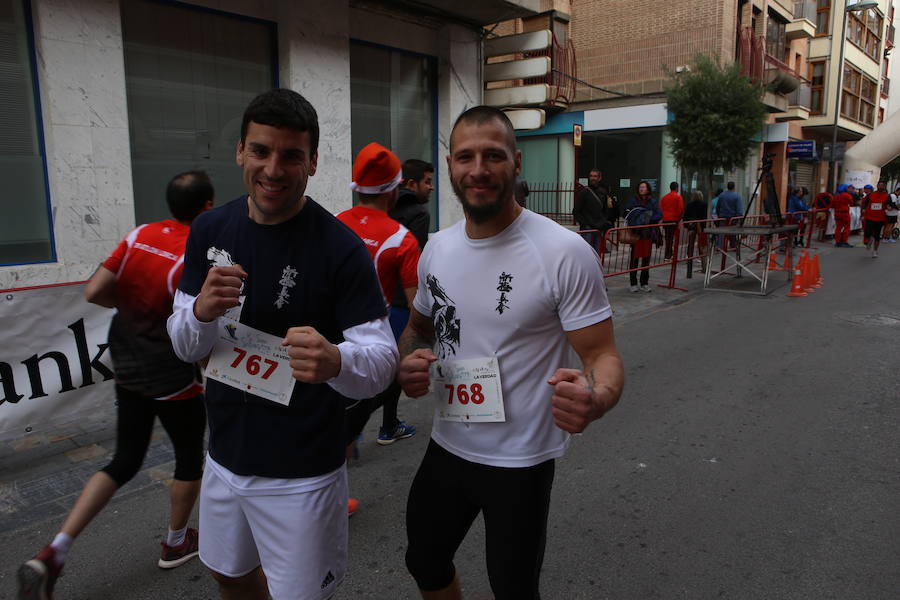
(105, 100)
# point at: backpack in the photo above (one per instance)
(639, 215)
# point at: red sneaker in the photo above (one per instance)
(38, 576)
(352, 505)
(175, 556)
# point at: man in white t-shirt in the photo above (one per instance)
(504, 299)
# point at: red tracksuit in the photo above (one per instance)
(841, 206)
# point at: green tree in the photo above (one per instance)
(717, 113)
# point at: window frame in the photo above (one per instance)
(820, 88)
(39, 134)
(823, 11)
(863, 34)
(435, 109)
(852, 95)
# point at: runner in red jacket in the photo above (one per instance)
(875, 206)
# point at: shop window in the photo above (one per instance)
(393, 102)
(189, 75)
(25, 232)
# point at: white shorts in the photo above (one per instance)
(300, 539)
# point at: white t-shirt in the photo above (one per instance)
(513, 296)
(893, 212)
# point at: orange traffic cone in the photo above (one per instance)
(797, 289)
(773, 264)
(817, 272)
(806, 268)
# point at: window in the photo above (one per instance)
(823, 17)
(188, 79)
(392, 102)
(25, 232)
(864, 30)
(777, 44)
(817, 87)
(859, 96)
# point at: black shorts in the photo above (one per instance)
(892, 218)
(447, 494)
(873, 229)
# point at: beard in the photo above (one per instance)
(481, 213)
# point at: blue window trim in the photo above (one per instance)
(435, 107)
(39, 125)
(273, 25)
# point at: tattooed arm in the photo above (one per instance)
(580, 397)
(415, 345)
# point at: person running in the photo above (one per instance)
(875, 207)
(284, 300)
(503, 298)
(138, 280)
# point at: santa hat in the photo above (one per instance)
(377, 170)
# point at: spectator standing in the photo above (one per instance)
(729, 204)
(672, 207)
(594, 209)
(696, 211)
(715, 203)
(892, 211)
(840, 205)
(647, 207)
(797, 209)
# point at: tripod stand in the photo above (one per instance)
(771, 205)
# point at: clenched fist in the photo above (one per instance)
(575, 403)
(413, 372)
(220, 291)
(313, 358)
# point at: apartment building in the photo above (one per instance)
(627, 53)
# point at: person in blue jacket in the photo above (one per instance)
(796, 209)
(641, 249)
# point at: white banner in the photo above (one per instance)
(855, 220)
(54, 362)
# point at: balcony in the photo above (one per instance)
(780, 81)
(804, 23)
(529, 74)
(799, 102)
(473, 12)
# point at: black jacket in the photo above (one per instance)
(412, 215)
(590, 210)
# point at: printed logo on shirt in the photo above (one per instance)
(443, 315)
(504, 288)
(219, 258)
(230, 328)
(288, 275)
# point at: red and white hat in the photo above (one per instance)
(377, 170)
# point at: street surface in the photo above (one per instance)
(754, 455)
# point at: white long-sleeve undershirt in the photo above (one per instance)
(369, 356)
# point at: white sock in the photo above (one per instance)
(62, 543)
(176, 537)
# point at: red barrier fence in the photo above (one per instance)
(665, 245)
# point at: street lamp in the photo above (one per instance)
(859, 6)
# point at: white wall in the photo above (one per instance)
(82, 80)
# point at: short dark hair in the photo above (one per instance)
(485, 114)
(188, 193)
(673, 186)
(415, 169)
(730, 185)
(284, 109)
(597, 171)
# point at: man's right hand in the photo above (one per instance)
(220, 292)
(413, 372)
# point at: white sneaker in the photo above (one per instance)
(633, 288)
(874, 253)
(646, 288)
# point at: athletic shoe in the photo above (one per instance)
(868, 244)
(352, 505)
(401, 431)
(38, 576)
(646, 288)
(634, 288)
(874, 253)
(175, 556)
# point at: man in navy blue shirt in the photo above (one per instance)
(729, 204)
(284, 300)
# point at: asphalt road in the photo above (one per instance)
(754, 454)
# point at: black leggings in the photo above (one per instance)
(446, 496)
(645, 273)
(183, 420)
(358, 414)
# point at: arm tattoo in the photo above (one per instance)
(413, 338)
